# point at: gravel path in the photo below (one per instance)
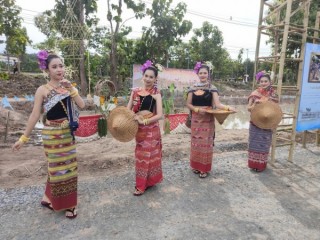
(232, 203)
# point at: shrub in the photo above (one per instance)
(4, 76)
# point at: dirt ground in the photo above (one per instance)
(233, 202)
(28, 166)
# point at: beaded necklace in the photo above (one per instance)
(64, 107)
(53, 86)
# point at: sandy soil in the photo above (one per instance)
(97, 158)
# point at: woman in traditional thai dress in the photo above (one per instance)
(201, 97)
(260, 139)
(146, 102)
(58, 99)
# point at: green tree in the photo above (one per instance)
(10, 26)
(167, 28)
(29, 63)
(180, 57)
(117, 33)
(206, 45)
(49, 23)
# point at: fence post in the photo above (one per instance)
(6, 129)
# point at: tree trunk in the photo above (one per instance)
(8, 61)
(114, 60)
(82, 73)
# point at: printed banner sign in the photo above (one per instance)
(181, 78)
(309, 106)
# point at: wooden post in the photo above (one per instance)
(274, 69)
(256, 63)
(281, 68)
(284, 46)
(304, 139)
(6, 129)
(299, 79)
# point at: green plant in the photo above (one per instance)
(168, 105)
(102, 127)
(4, 76)
(168, 99)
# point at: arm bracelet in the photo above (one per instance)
(145, 121)
(74, 93)
(24, 139)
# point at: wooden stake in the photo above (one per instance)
(7, 127)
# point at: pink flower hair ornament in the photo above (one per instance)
(259, 75)
(149, 63)
(197, 67)
(42, 57)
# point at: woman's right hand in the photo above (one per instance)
(138, 118)
(17, 145)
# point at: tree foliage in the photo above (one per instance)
(10, 26)
(51, 23)
(117, 34)
(207, 45)
(167, 28)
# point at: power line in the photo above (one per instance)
(30, 10)
(216, 18)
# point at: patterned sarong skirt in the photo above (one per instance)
(202, 131)
(148, 155)
(259, 146)
(60, 150)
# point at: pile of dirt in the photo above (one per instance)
(21, 84)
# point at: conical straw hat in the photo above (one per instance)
(122, 125)
(220, 115)
(266, 115)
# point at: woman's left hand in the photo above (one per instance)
(232, 109)
(202, 111)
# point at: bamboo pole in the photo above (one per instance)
(306, 6)
(274, 69)
(7, 127)
(276, 49)
(263, 27)
(281, 69)
(276, 9)
(258, 42)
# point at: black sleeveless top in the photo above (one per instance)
(57, 111)
(147, 103)
(203, 100)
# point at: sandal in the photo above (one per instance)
(195, 171)
(47, 205)
(203, 175)
(137, 192)
(73, 211)
(256, 170)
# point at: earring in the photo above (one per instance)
(46, 75)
